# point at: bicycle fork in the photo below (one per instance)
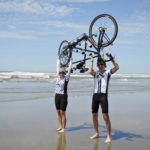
(100, 40)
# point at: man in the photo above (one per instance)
(100, 95)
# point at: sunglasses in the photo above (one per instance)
(61, 72)
(100, 64)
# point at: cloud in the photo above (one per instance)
(137, 24)
(81, 1)
(11, 26)
(40, 33)
(28, 34)
(146, 1)
(35, 7)
(44, 29)
(15, 35)
(135, 30)
(131, 41)
(62, 24)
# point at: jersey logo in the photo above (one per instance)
(99, 75)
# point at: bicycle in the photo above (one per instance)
(103, 31)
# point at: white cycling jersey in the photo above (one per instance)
(101, 81)
(61, 83)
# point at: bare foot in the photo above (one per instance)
(58, 129)
(108, 140)
(62, 130)
(94, 136)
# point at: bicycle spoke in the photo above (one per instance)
(106, 37)
(108, 24)
(64, 53)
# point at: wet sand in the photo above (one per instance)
(30, 125)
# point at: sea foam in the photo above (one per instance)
(40, 76)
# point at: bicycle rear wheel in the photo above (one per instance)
(64, 53)
(106, 22)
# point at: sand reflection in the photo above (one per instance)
(61, 142)
(97, 143)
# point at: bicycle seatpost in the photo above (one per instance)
(100, 38)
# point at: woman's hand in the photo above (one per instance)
(91, 58)
(71, 59)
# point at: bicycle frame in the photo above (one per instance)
(73, 45)
(105, 26)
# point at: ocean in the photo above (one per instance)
(37, 85)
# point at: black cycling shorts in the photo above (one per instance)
(99, 98)
(61, 101)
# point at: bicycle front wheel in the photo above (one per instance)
(108, 24)
(64, 53)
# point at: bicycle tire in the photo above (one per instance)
(106, 16)
(64, 54)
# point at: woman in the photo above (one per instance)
(61, 95)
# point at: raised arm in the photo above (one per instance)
(116, 66)
(91, 66)
(69, 68)
(57, 66)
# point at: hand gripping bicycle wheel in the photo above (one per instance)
(106, 23)
(64, 53)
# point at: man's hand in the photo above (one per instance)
(116, 67)
(109, 55)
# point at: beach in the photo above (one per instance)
(28, 118)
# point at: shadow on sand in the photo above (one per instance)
(116, 134)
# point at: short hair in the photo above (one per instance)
(101, 60)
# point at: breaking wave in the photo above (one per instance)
(51, 77)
